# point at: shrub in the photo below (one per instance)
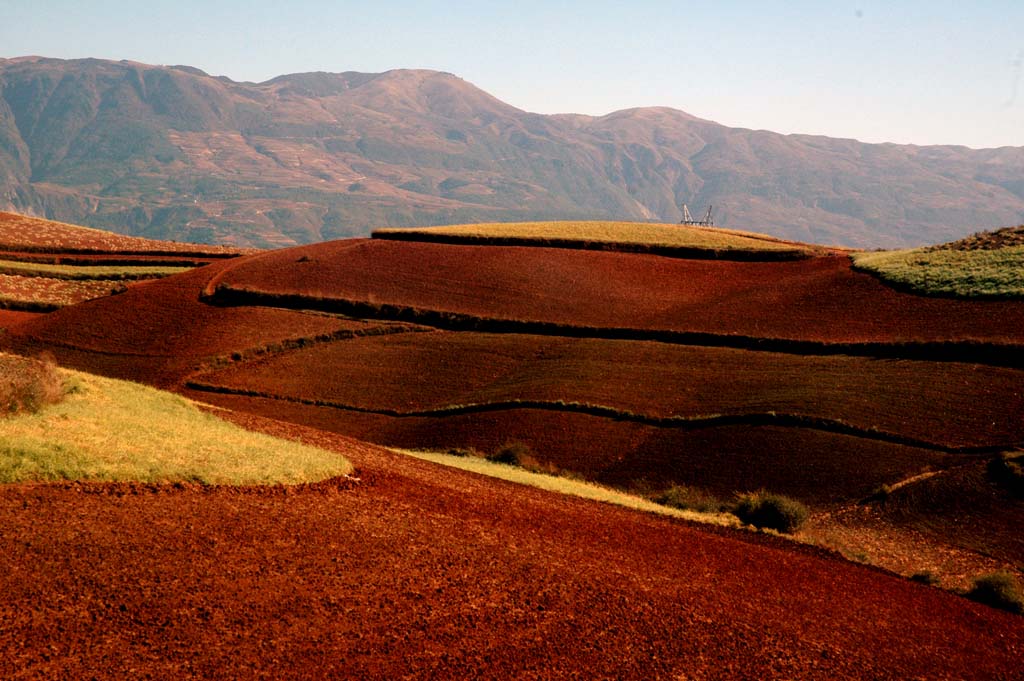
(464, 452)
(689, 498)
(773, 511)
(27, 385)
(513, 454)
(1000, 590)
(1007, 469)
(925, 577)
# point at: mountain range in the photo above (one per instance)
(173, 153)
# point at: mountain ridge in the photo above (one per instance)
(174, 153)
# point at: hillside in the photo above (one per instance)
(172, 153)
(719, 369)
(637, 370)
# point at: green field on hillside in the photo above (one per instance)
(995, 273)
(107, 430)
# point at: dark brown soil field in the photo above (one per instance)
(159, 331)
(818, 299)
(816, 466)
(9, 318)
(943, 404)
(418, 571)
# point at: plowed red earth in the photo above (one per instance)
(158, 330)
(25, 233)
(9, 318)
(946, 404)
(816, 299)
(818, 467)
(419, 571)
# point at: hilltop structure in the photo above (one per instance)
(688, 219)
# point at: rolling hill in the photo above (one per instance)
(721, 372)
(723, 369)
(173, 153)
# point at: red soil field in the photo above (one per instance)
(423, 571)
(9, 318)
(946, 404)
(817, 467)
(963, 506)
(43, 293)
(29, 234)
(816, 299)
(158, 331)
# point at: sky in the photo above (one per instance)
(906, 72)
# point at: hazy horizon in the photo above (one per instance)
(913, 73)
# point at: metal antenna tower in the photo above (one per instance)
(688, 219)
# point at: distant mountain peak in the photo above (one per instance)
(174, 153)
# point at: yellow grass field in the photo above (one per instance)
(563, 485)
(628, 233)
(109, 430)
(87, 272)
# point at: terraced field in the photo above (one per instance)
(47, 265)
(26, 234)
(444, 373)
(629, 237)
(572, 292)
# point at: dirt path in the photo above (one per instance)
(422, 571)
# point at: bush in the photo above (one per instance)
(464, 452)
(1000, 590)
(27, 385)
(513, 454)
(773, 511)
(689, 498)
(925, 577)
(1007, 469)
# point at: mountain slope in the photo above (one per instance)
(170, 152)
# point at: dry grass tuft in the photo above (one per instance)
(772, 511)
(27, 385)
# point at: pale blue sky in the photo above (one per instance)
(910, 72)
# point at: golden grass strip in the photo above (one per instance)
(569, 486)
(87, 272)
(637, 233)
(110, 430)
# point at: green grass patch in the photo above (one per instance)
(562, 485)
(88, 272)
(109, 430)
(996, 273)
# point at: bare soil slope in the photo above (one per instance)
(425, 571)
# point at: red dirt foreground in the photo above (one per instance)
(420, 571)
